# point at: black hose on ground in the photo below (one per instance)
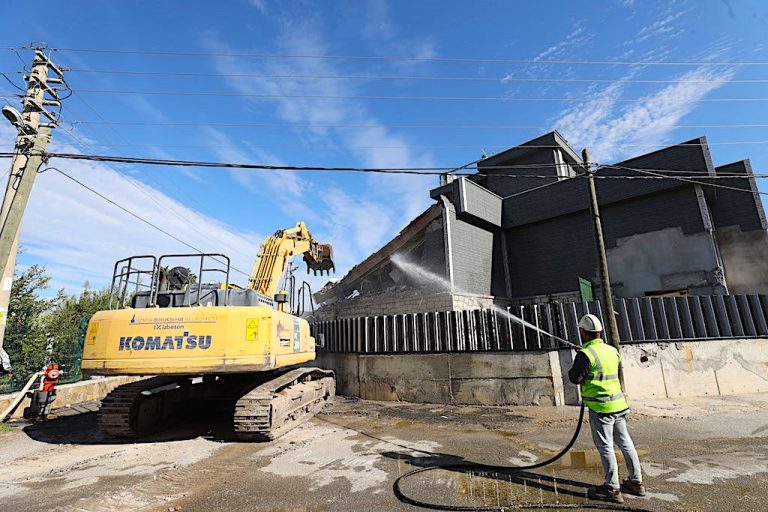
(516, 506)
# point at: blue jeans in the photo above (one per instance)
(605, 428)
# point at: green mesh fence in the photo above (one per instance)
(71, 365)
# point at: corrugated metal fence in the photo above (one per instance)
(639, 319)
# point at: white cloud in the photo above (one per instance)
(286, 185)
(261, 5)
(357, 224)
(389, 201)
(377, 22)
(661, 27)
(603, 123)
(79, 236)
(381, 33)
(577, 37)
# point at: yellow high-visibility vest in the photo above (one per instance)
(601, 390)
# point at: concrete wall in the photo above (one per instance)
(532, 378)
(652, 370)
(717, 367)
(69, 394)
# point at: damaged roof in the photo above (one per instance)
(344, 286)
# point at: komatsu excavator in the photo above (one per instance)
(208, 342)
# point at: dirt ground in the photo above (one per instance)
(706, 454)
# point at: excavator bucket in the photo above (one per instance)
(320, 259)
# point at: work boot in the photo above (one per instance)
(605, 493)
(632, 487)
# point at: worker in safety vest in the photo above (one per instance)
(596, 369)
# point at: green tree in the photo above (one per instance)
(33, 319)
(25, 339)
(66, 322)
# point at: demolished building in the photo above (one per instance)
(520, 232)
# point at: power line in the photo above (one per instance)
(357, 126)
(404, 58)
(142, 219)
(405, 77)
(429, 146)
(426, 171)
(692, 180)
(543, 186)
(12, 82)
(396, 98)
(422, 171)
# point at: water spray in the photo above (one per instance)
(422, 276)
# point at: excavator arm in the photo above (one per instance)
(276, 252)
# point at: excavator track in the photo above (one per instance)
(127, 412)
(273, 408)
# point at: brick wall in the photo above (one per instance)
(403, 302)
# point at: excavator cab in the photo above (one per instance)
(172, 280)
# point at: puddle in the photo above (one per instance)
(514, 489)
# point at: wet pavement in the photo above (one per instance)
(708, 454)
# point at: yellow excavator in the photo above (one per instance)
(208, 342)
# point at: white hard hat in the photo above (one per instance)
(590, 323)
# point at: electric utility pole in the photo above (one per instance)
(33, 136)
(609, 316)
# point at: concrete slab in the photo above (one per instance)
(406, 366)
(500, 365)
(409, 390)
(528, 391)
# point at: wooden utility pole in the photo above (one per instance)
(609, 315)
(33, 136)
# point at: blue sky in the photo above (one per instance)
(78, 236)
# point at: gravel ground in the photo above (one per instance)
(707, 454)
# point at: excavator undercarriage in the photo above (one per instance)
(264, 406)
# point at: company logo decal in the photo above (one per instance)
(183, 342)
(163, 323)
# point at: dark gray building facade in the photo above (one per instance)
(502, 238)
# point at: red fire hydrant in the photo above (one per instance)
(41, 399)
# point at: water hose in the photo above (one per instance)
(397, 490)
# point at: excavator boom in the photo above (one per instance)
(277, 250)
